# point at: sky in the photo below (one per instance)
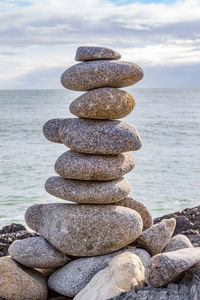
(39, 39)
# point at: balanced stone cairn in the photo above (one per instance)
(101, 244)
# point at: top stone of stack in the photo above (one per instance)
(96, 53)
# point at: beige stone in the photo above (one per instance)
(70, 279)
(140, 208)
(17, 282)
(156, 238)
(76, 165)
(91, 192)
(85, 230)
(103, 103)
(125, 272)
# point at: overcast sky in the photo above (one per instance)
(39, 39)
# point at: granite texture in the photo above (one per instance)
(140, 208)
(103, 103)
(36, 252)
(85, 230)
(156, 238)
(165, 267)
(93, 136)
(17, 282)
(124, 272)
(76, 165)
(86, 53)
(90, 75)
(178, 242)
(74, 276)
(91, 192)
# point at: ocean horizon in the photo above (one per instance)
(166, 176)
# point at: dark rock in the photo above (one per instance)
(10, 233)
(187, 223)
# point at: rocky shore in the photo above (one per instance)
(188, 287)
(104, 244)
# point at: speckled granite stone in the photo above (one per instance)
(178, 242)
(93, 136)
(85, 230)
(74, 276)
(140, 208)
(36, 252)
(90, 75)
(156, 238)
(103, 103)
(124, 272)
(98, 192)
(17, 282)
(165, 267)
(86, 53)
(75, 165)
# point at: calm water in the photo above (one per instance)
(167, 173)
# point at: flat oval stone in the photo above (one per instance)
(17, 282)
(90, 75)
(103, 103)
(100, 192)
(94, 53)
(140, 208)
(75, 165)
(36, 252)
(93, 136)
(85, 230)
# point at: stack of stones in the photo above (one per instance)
(101, 244)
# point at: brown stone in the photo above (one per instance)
(140, 208)
(17, 282)
(103, 103)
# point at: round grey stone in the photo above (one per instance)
(103, 103)
(36, 252)
(75, 165)
(85, 230)
(86, 53)
(93, 136)
(70, 279)
(98, 192)
(178, 242)
(90, 75)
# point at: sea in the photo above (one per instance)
(166, 177)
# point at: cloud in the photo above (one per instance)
(44, 35)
